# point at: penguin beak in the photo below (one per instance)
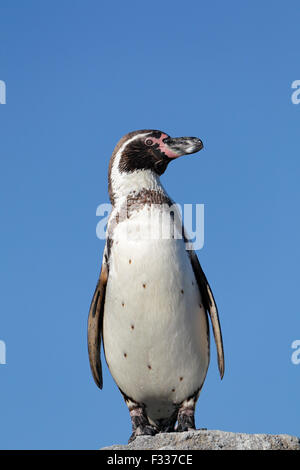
(182, 146)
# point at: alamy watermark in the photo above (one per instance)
(2, 352)
(296, 94)
(2, 92)
(295, 357)
(158, 222)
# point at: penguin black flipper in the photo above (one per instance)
(211, 307)
(95, 322)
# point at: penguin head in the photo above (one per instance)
(154, 150)
(145, 154)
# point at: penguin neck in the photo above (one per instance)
(131, 184)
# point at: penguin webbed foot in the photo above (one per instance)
(185, 428)
(146, 430)
(140, 422)
(186, 420)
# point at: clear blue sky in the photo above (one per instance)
(79, 75)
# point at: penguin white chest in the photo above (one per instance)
(155, 329)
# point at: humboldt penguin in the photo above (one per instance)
(152, 300)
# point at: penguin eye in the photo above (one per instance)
(149, 142)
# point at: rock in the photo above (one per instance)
(211, 440)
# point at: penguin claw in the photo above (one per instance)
(185, 428)
(143, 431)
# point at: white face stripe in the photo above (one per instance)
(124, 183)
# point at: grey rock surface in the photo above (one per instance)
(211, 440)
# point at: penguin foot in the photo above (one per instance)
(147, 430)
(186, 413)
(186, 420)
(184, 429)
(186, 423)
(139, 420)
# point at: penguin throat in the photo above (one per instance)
(125, 184)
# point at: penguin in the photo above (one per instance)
(151, 304)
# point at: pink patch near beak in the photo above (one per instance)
(163, 148)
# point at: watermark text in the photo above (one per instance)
(2, 352)
(153, 222)
(296, 94)
(295, 357)
(2, 92)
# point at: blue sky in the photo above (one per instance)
(79, 75)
